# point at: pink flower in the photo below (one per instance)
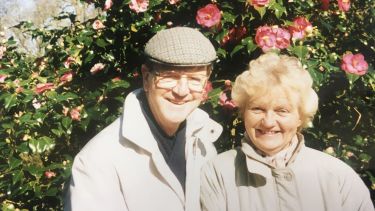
(69, 61)
(97, 68)
(2, 78)
(42, 87)
(49, 174)
(208, 16)
(107, 5)
(344, 5)
(98, 25)
(138, 5)
(2, 51)
(273, 37)
(259, 3)
(207, 89)
(227, 103)
(300, 28)
(354, 64)
(282, 37)
(173, 1)
(265, 38)
(325, 4)
(75, 113)
(68, 76)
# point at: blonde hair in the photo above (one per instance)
(284, 71)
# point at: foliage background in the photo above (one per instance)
(45, 118)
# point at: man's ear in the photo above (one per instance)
(145, 75)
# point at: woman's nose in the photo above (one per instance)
(269, 120)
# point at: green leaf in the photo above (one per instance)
(66, 122)
(57, 132)
(261, 11)
(300, 51)
(101, 43)
(236, 49)
(17, 176)
(10, 101)
(352, 78)
(42, 144)
(14, 162)
(250, 45)
(279, 10)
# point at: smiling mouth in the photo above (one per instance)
(267, 132)
(177, 102)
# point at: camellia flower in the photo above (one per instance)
(107, 5)
(227, 103)
(265, 38)
(2, 51)
(98, 25)
(259, 3)
(68, 76)
(354, 64)
(75, 113)
(325, 4)
(69, 61)
(344, 5)
(273, 37)
(282, 37)
(42, 87)
(173, 1)
(208, 16)
(97, 68)
(138, 5)
(300, 28)
(207, 89)
(49, 174)
(2, 78)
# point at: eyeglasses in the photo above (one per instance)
(170, 79)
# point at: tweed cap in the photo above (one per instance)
(180, 46)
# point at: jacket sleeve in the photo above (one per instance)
(212, 191)
(355, 195)
(93, 186)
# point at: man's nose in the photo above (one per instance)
(182, 87)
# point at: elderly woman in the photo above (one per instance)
(273, 169)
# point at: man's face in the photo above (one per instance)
(173, 93)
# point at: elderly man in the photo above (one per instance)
(150, 157)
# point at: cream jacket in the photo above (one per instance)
(122, 168)
(240, 180)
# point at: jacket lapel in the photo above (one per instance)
(136, 130)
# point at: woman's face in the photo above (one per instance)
(271, 120)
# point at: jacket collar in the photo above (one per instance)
(257, 164)
(136, 129)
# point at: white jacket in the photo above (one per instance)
(241, 180)
(122, 168)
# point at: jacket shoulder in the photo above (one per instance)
(104, 142)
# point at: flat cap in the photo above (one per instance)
(180, 46)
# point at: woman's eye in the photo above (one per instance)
(282, 110)
(256, 109)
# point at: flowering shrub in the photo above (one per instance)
(53, 104)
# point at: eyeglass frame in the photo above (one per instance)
(153, 71)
